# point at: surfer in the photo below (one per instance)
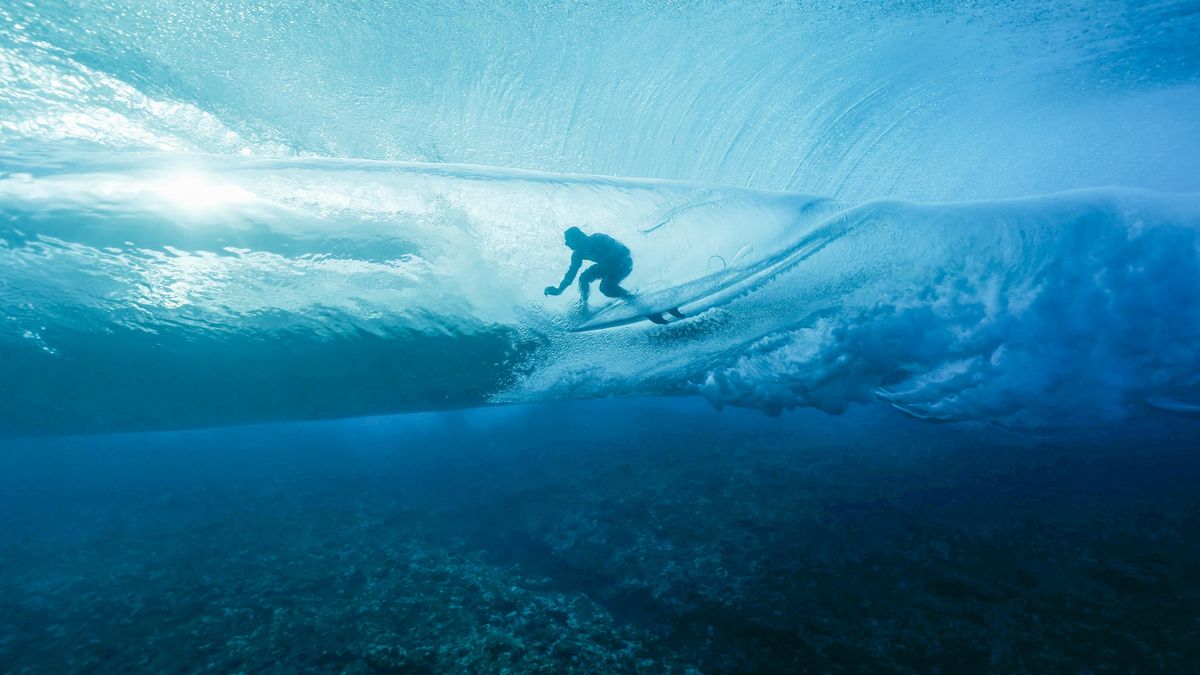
(613, 264)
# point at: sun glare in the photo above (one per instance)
(194, 190)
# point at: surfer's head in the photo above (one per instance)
(574, 237)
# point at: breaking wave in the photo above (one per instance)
(159, 289)
(236, 212)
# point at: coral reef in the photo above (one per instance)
(557, 543)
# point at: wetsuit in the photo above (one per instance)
(613, 264)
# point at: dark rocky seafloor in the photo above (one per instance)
(638, 536)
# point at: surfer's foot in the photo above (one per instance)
(674, 311)
(656, 318)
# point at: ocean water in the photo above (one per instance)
(281, 391)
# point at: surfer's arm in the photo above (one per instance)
(576, 262)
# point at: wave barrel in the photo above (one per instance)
(166, 290)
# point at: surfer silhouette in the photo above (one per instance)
(613, 263)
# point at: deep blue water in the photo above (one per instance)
(280, 389)
(608, 536)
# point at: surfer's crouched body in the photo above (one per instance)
(613, 263)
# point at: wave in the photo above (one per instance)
(155, 290)
(855, 99)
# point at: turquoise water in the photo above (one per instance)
(282, 390)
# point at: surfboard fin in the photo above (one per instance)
(674, 311)
(656, 318)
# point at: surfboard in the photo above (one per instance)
(686, 300)
(661, 307)
(671, 304)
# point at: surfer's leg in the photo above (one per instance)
(585, 283)
(610, 285)
(613, 290)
